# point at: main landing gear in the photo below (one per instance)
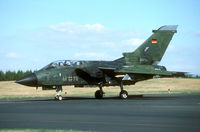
(123, 94)
(99, 93)
(58, 90)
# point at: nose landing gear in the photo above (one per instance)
(58, 90)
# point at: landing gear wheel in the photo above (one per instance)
(58, 97)
(99, 94)
(123, 94)
(58, 91)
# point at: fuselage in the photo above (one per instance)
(77, 73)
(66, 72)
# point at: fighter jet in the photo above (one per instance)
(132, 67)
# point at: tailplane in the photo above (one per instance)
(153, 49)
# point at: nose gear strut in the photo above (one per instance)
(59, 91)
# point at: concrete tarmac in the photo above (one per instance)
(161, 113)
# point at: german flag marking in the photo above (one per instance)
(154, 41)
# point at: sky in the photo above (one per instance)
(34, 33)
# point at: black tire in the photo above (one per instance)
(123, 94)
(99, 94)
(58, 97)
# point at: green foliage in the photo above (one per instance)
(192, 76)
(197, 76)
(13, 75)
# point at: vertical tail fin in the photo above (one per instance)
(153, 49)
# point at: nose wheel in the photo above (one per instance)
(58, 96)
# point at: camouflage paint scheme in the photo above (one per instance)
(129, 69)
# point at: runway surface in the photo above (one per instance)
(138, 113)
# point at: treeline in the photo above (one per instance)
(192, 76)
(13, 75)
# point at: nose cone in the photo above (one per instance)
(29, 80)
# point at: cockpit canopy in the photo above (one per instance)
(62, 63)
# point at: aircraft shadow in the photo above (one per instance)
(130, 97)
